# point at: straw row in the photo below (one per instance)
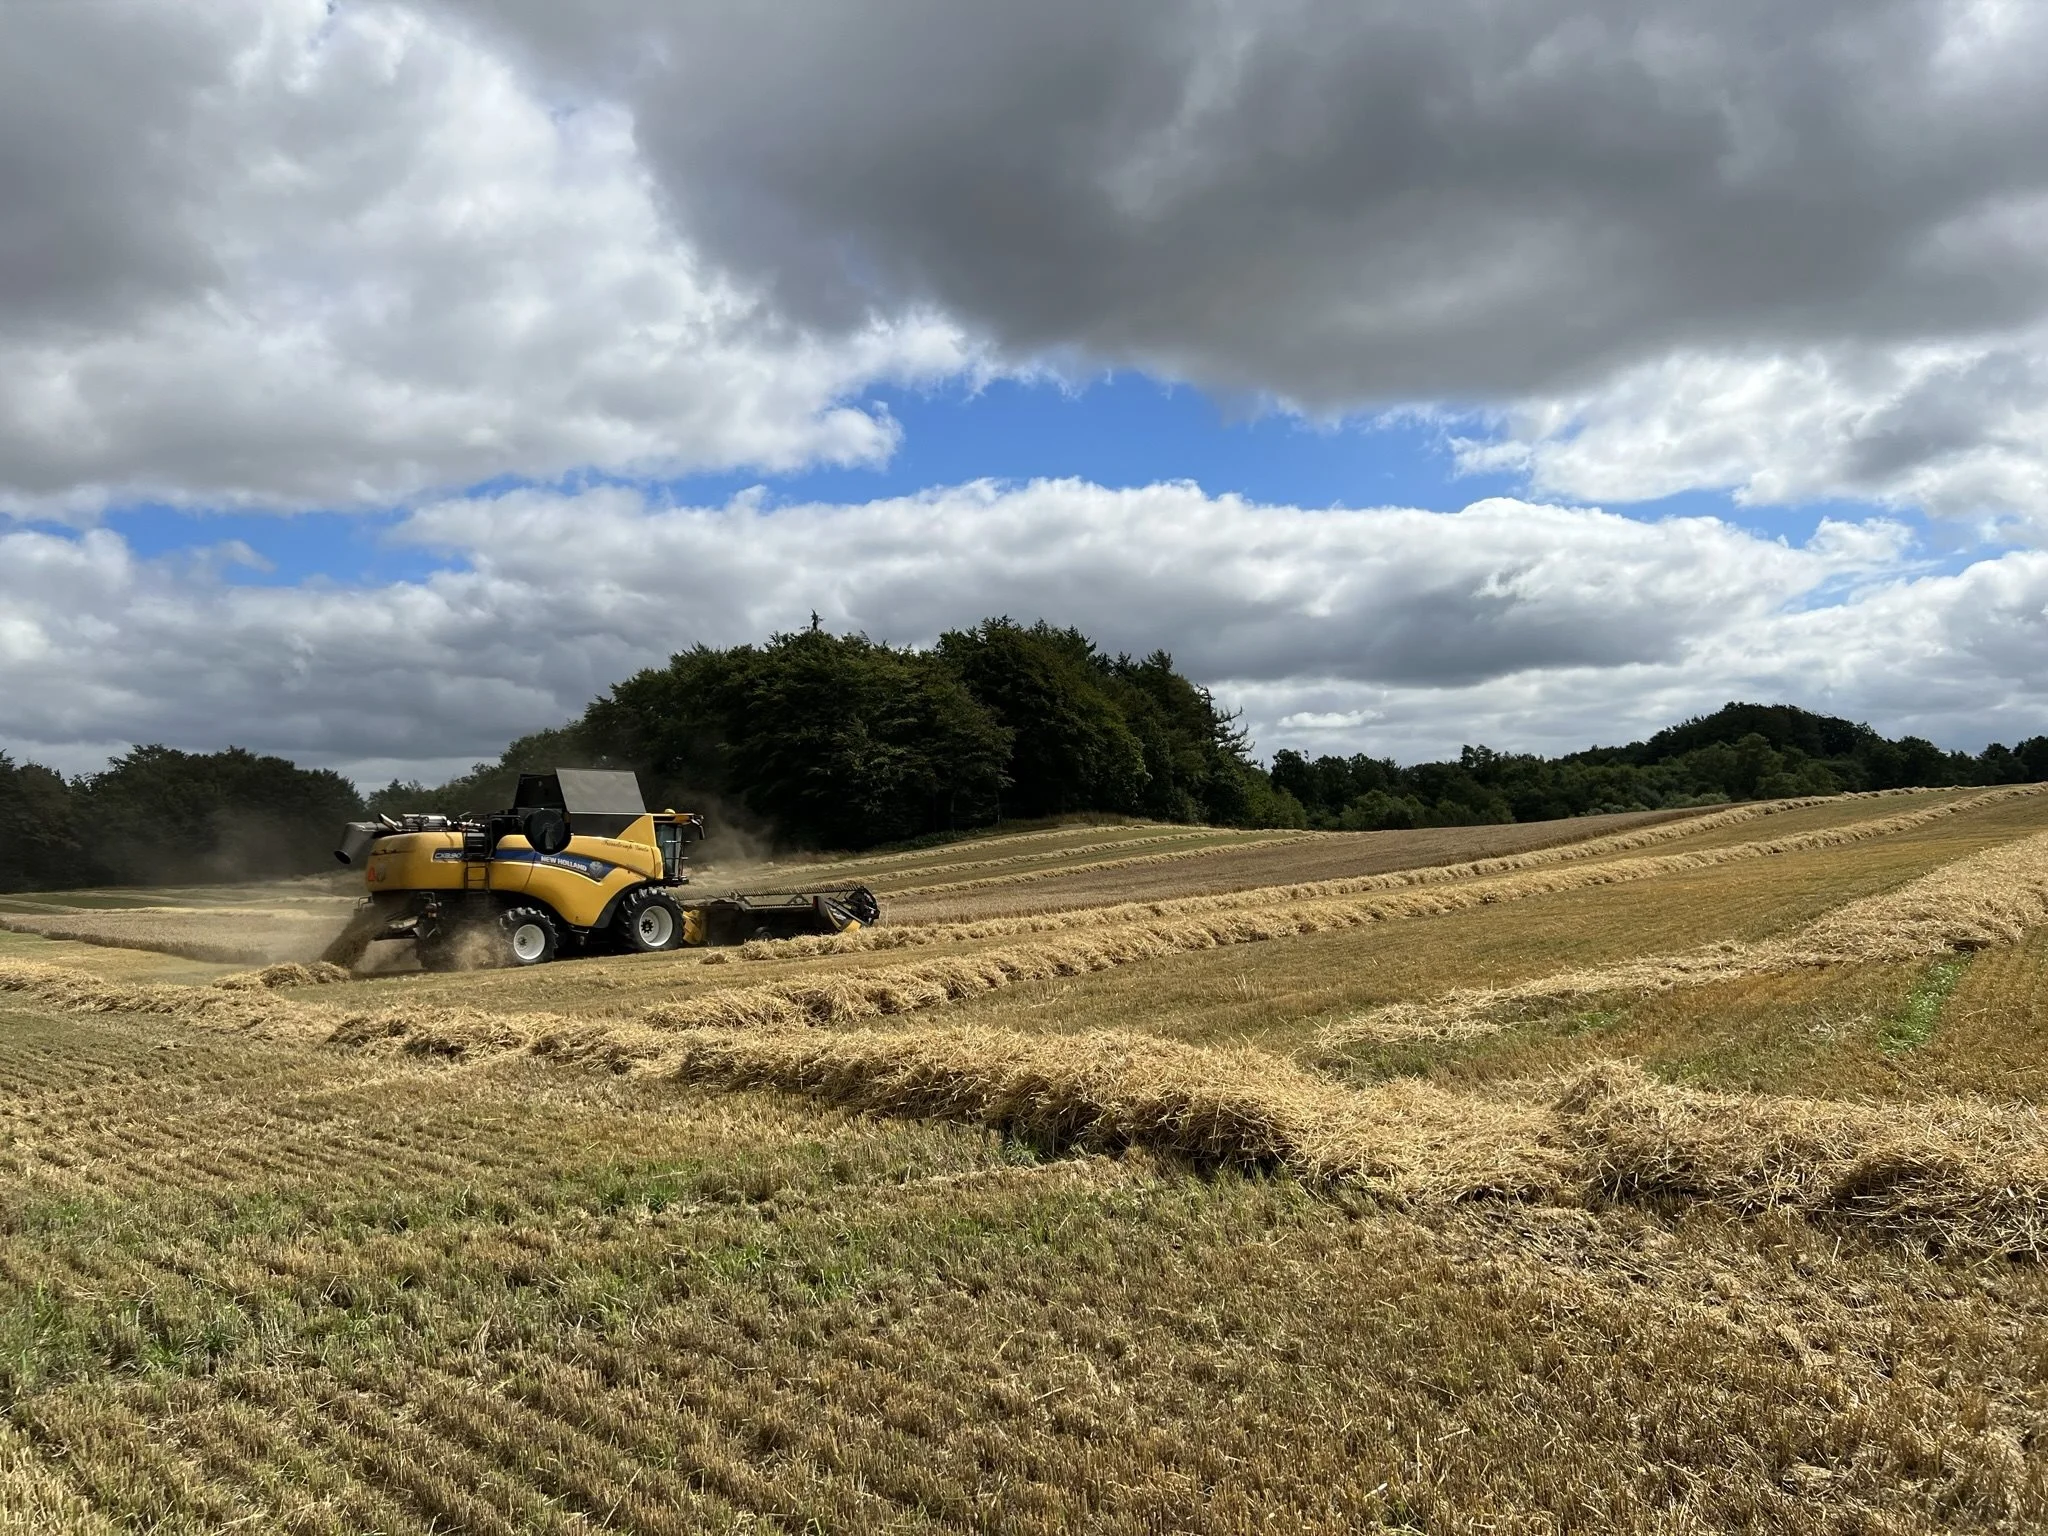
(1481, 882)
(872, 868)
(1101, 866)
(1986, 899)
(1958, 1176)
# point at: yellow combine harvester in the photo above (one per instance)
(578, 865)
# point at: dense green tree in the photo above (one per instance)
(1072, 745)
(158, 814)
(846, 742)
(491, 787)
(1740, 752)
(40, 847)
(1197, 760)
(831, 739)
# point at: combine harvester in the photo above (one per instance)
(577, 866)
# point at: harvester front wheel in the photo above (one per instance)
(527, 936)
(648, 922)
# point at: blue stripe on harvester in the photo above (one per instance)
(590, 869)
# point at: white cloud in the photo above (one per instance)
(296, 254)
(1328, 720)
(1958, 429)
(1388, 630)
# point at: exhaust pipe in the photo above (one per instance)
(356, 838)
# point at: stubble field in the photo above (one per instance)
(1646, 1174)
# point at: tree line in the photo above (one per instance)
(158, 816)
(1739, 752)
(839, 741)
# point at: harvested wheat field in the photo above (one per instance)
(1679, 1174)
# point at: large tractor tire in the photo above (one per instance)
(647, 922)
(527, 936)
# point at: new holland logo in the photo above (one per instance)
(574, 863)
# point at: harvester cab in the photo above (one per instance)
(577, 865)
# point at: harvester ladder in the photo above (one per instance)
(476, 861)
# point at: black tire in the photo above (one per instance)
(648, 922)
(527, 936)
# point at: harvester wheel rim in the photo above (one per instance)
(529, 942)
(655, 925)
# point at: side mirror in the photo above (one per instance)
(546, 829)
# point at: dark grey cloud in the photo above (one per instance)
(94, 192)
(1339, 202)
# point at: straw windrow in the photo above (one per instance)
(1110, 1090)
(851, 996)
(1957, 1176)
(1103, 866)
(1537, 866)
(1986, 899)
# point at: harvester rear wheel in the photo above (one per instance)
(648, 921)
(527, 936)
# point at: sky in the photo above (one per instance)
(381, 381)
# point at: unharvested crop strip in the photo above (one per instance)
(1989, 898)
(999, 840)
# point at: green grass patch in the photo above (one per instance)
(1916, 1020)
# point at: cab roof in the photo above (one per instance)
(582, 792)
